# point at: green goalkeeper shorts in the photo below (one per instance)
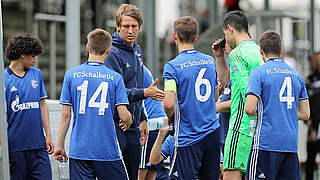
(236, 151)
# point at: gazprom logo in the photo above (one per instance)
(16, 106)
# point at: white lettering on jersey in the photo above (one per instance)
(15, 106)
(92, 75)
(195, 63)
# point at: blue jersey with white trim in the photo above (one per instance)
(195, 110)
(23, 94)
(279, 89)
(93, 90)
(154, 108)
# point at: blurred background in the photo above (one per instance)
(63, 26)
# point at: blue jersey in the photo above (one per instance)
(168, 148)
(279, 89)
(23, 94)
(93, 90)
(195, 110)
(154, 108)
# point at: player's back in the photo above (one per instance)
(196, 79)
(245, 57)
(281, 89)
(93, 90)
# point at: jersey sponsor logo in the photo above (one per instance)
(16, 106)
(13, 89)
(92, 75)
(34, 83)
(262, 176)
(195, 63)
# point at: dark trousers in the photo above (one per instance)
(312, 149)
(131, 150)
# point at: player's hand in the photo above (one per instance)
(59, 153)
(49, 145)
(124, 125)
(153, 92)
(217, 49)
(143, 132)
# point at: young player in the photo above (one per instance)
(282, 99)
(243, 58)
(154, 110)
(162, 149)
(27, 111)
(94, 92)
(190, 93)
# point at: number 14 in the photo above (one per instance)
(102, 105)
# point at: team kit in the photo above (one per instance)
(124, 126)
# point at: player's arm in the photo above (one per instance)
(125, 117)
(303, 109)
(251, 105)
(223, 106)
(223, 70)
(170, 89)
(63, 128)
(46, 125)
(155, 155)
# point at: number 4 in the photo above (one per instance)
(289, 98)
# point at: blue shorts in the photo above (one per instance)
(146, 151)
(131, 149)
(200, 160)
(103, 170)
(30, 164)
(273, 165)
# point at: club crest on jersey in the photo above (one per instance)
(235, 68)
(34, 83)
(16, 106)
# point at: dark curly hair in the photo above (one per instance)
(23, 44)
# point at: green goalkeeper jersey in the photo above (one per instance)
(243, 59)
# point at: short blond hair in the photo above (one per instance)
(128, 10)
(99, 41)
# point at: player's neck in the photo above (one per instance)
(243, 36)
(97, 58)
(185, 46)
(267, 58)
(17, 67)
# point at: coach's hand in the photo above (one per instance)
(49, 145)
(59, 153)
(143, 132)
(153, 92)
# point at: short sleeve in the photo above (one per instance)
(303, 93)
(66, 91)
(166, 146)
(43, 93)
(169, 73)
(254, 84)
(121, 95)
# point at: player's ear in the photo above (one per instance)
(87, 48)
(175, 36)
(281, 51)
(261, 52)
(196, 38)
(108, 50)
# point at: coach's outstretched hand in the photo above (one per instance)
(153, 92)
